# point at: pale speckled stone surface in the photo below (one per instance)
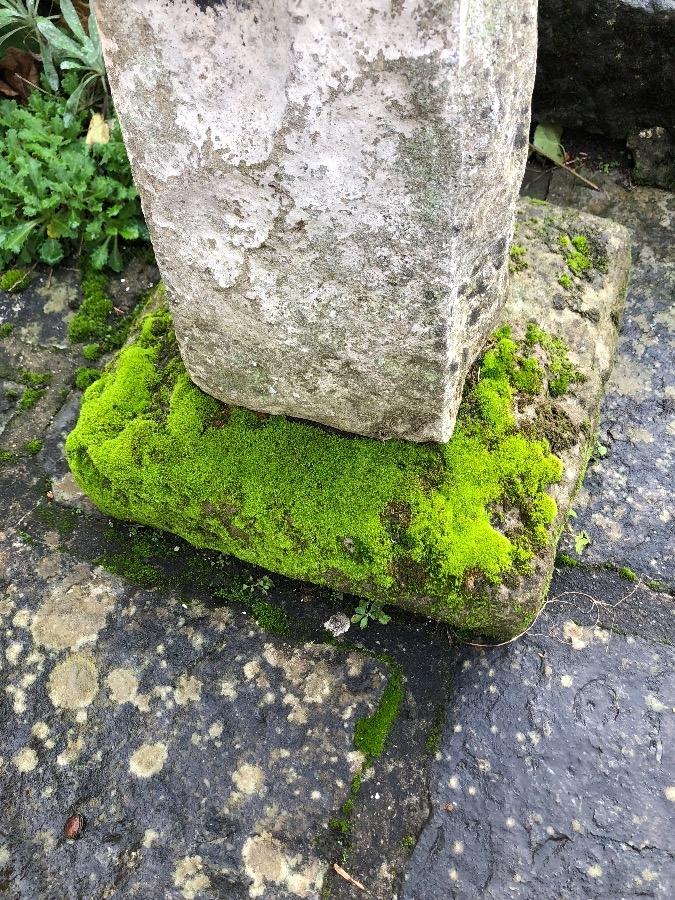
(205, 756)
(330, 192)
(626, 503)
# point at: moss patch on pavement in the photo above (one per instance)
(428, 527)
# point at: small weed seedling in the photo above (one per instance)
(367, 610)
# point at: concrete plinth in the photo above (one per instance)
(464, 532)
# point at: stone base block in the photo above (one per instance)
(464, 532)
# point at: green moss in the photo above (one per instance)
(36, 379)
(627, 573)
(92, 351)
(342, 826)
(30, 397)
(408, 842)
(86, 376)
(133, 568)
(561, 373)
(33, 447)
(386, 520)
(565, 281)
(96, 320)
(7, 458)
(14, 280)
(57, 518)
(91, 321)
(565, 559)
(517, 261)
(371, 732)
(35, 382)
(6, 329)
(271, 618)
(583, 252)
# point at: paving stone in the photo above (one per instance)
(555, 775)
(204, 755)
(41, 313)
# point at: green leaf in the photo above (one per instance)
(115, 259)
(581, 541)
(14, 239)
(59, 40)
(51, 252)
(94, 35)
(130, 232)
(100, 256)
(73, 102)
(547, 142)
(73, 20)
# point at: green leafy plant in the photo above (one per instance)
(19, 21)
(58, 195)
(369, 610)
(14, 281)
(79, 52)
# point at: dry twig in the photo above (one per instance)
(347, 877)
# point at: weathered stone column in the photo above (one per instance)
(330, 189)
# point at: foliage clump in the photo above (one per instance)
(391, 521)
(517, 261)
(36, 384)
(86, 376)
(59, 195)
(14, 280)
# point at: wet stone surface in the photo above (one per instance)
(555, 776)
(555, 772)
(204, 756)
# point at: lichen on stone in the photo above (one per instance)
(428, 527)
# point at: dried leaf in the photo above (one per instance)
(347, 877)
(18, 73)
(98, 131)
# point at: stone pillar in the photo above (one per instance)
(330, 189)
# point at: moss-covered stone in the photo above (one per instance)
(431, 528)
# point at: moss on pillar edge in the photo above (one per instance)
(430, 528)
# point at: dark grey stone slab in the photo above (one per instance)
(556, 774)
(204, 756)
